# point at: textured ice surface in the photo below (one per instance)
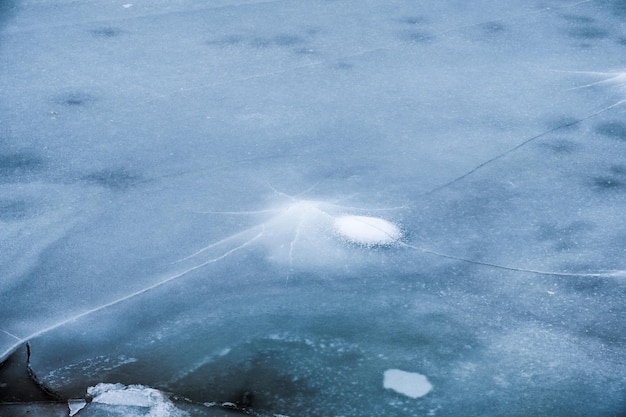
(171, 174)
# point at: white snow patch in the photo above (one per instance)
(155, 401)
(411, 384)
(366, 230)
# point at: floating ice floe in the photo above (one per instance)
(411, 384)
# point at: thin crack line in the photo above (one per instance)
(127, 297)
(219, 242)
(10, 334)
(523, 143)
(607, 274)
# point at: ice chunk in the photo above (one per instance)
(366, 230)
(411, 384)
(76, 405)
(156, 402)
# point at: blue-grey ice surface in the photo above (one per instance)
(170, 173)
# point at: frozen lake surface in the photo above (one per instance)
(269, 205)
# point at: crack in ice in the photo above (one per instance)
(126, 297)
(598, 274)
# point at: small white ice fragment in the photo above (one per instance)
(411, 384)
(76, 405)
(127, 5)
(366, 230)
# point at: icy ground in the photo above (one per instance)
(294, 198)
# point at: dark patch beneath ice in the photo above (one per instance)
(18, 164)
(412, 20)
(114, 179)
(588, 33)
(617, 7)
(229, 40)
(261, 42)
(12, 210)
(105, 32)
(416, 36)
(283, 40)
(492, 27)
(613, 180)
(586, 285)
(287, 40)
(344, 66)
(579, 19)
(74, 99)
(565, 237)
(606, 183)
(614, 129)
(305, 51)
(560, 146)
(563, 123)
(7, 9)
(619, 169)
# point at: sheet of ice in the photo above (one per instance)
(179, 184)
(411, 384)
